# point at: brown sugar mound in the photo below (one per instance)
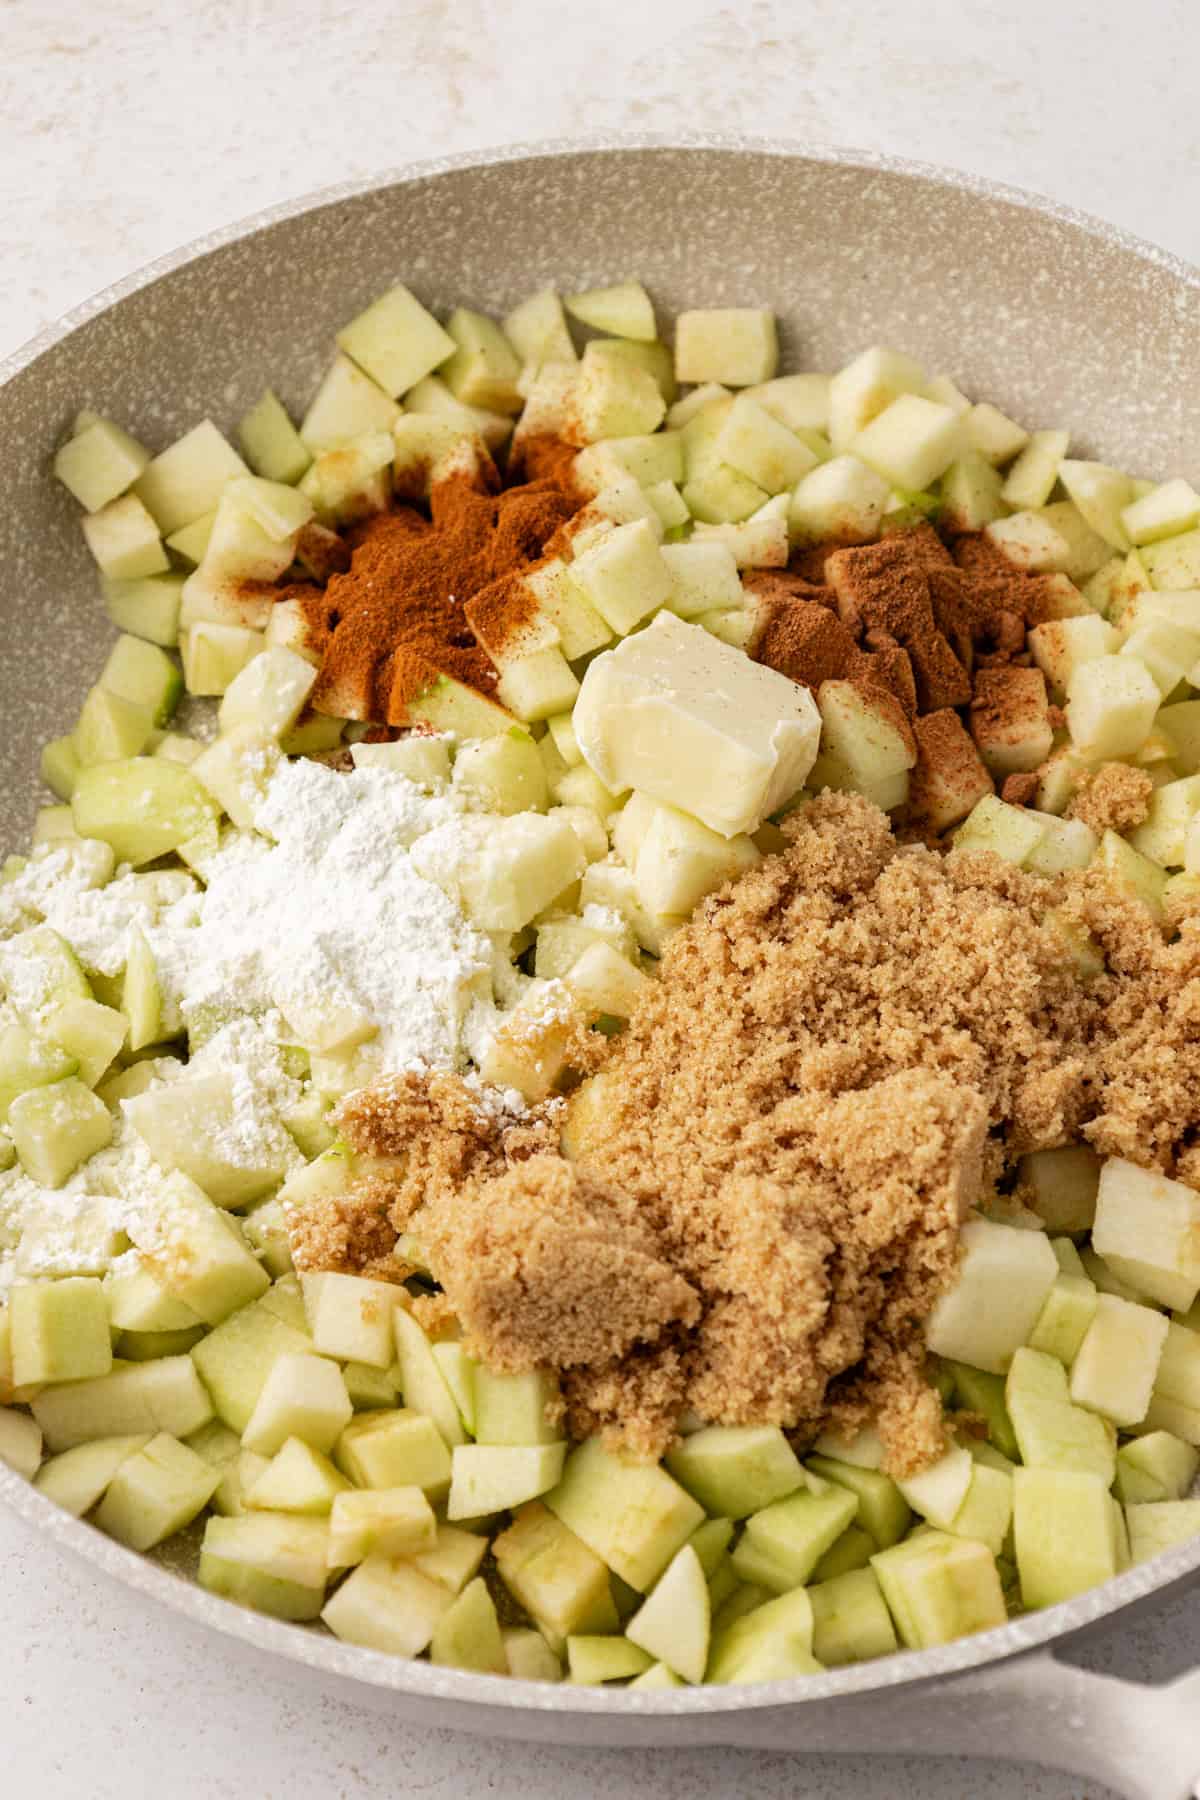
(1115, 798)
(756, 1200)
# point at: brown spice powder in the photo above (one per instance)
(394, 621)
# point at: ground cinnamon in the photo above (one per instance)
(394, 620)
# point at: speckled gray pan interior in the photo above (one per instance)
(1060, 320)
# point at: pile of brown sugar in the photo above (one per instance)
(758, 1194)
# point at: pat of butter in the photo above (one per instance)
(687, 719)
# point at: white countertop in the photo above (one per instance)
(128, 129)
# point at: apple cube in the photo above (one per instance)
(784, 1542)
(616, 399)
(491, 1478)
(272, 1562)
(421, 1380)
(1177, 1382)
(624, 576)
(298, 1479)
(1158, 1466)
(20, 1442)
(754, 441)
(1114, 1370)
(77, 1478)
(351, 1318)
(704, 576)
(187, 1126)
(422, 757)
(57, 1127)
(865, 740)
(673, 1624)
(538, 331)
(1052, 1431)
(503, 774)
(99, 463)
(1158, 1527)
(939, 1491)
(1147, 1229)
(866, 387)
(503, 873)
(562, 605)
(1060, 646)
(623, 311)
(530, 1658)
(124, 540)
(735, 1470)
(511, 1409)
(236, 1358)
(1111, 703)
(1069, 1309)
(1032, 477)
(387, 1522)
(986, 1513)
(1001, 1287)
(396, 341)
(939, 1587)
(851, 1622)
(347, 404)
(270, 442)
(680, 860)
(559, 1581)
(143, 1398)
(841, 501)
(386, 1604)
(737, 346)
(535, 686)
(483, 369)
(1166, 511)
(304, 1397)
(970, 494)
(395, 1449)
(1135, 874)
(155, 1493)
(801, 402)
(634, 1516)
(187, 479)
(60, 1331)
(910, 443)
(993, 436)
(1168, 650)
(214, 654)
(773, 1641)
(1064, 1533)
(1102, 495)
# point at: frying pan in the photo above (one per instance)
(1057, 318)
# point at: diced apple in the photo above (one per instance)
(396, 341)
(387, 1522)
(911, 442)
(303, 1396)
(1032, 477)
(1111, 703)
(680, 860)
(297, 1479)
(99, 463)
(483, 369)
(736, 1470)
(784, 1542)
(236, 1358)
(1160, 1526)
(20, 1442)
(737, 346)
(538, 331)
(503, 874)
(60, 1331)
(1158, 1466)
(1114, 1370)
(1053, 1432)
(57, 1127)
(187, 479)
(554, 1575)
(633, 1516)
(1060, 646)
(851, 1622)
(351, 1318)
(1147, 1228)
(395, 1449)
(939, 1587)
(272, 1562)
(491, 1478)
(866, 387)
(993, 436)
(124, 540)
(1167, 511)
(841, 501)
(76, 1479)
(1064, 1533)
(1002, 1284)
(1132, 873)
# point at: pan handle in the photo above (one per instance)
(1143, 1741)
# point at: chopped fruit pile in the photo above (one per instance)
(501, 867)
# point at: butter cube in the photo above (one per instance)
(687, 719)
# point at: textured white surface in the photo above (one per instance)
(127, 131)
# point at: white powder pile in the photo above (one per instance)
(331, 921)
(317, 927)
